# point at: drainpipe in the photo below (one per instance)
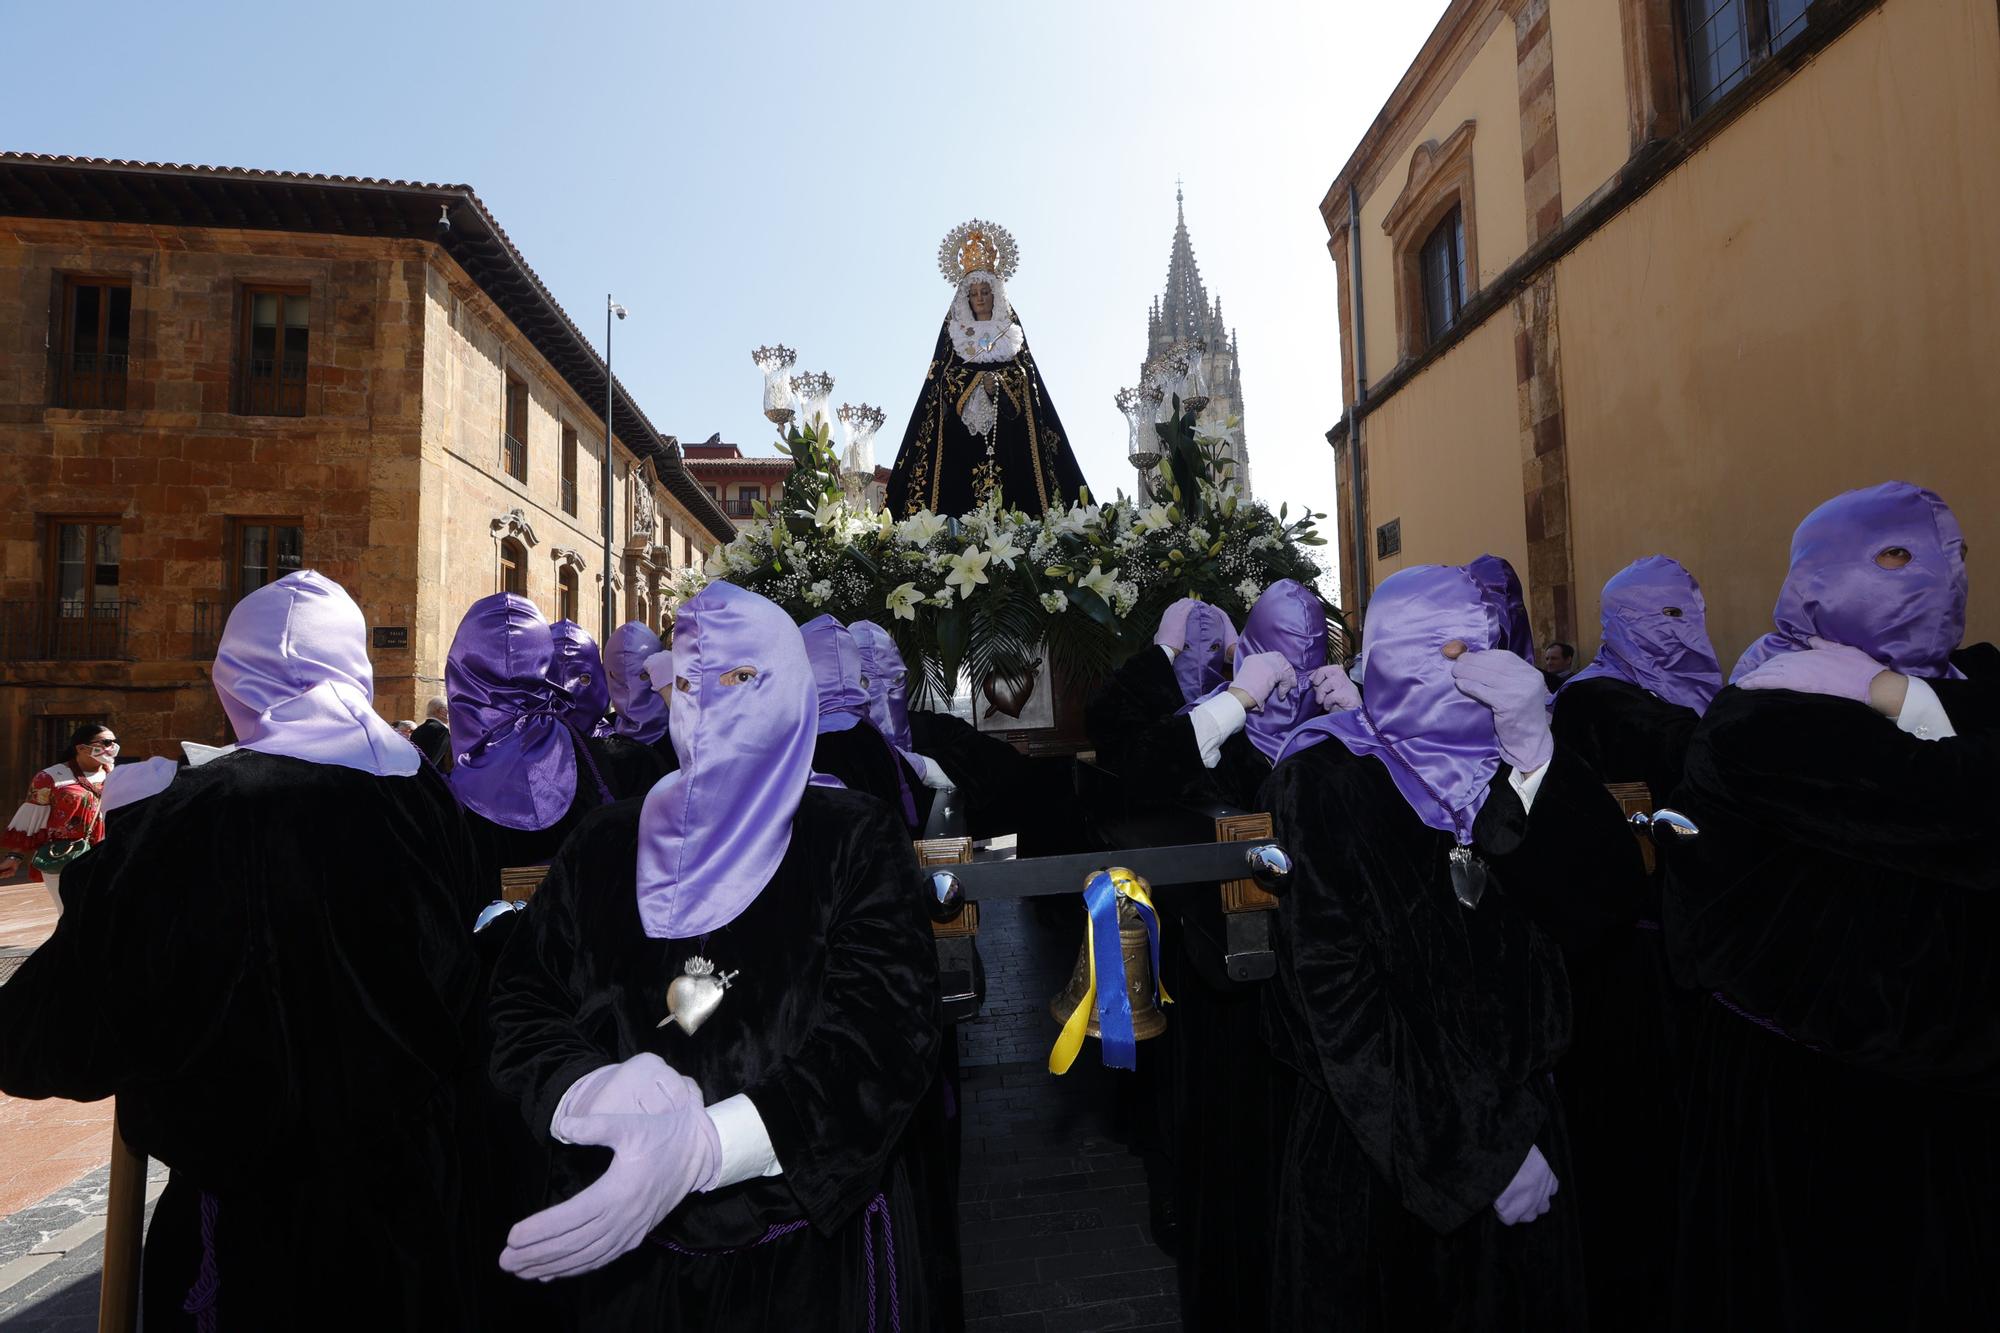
(1359, 596)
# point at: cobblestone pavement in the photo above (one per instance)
(1052, 1205)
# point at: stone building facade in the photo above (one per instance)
(209, 377)
(1625, 277)
(737, 481)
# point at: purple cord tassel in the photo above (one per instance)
(1767, 1024)
(207, 1286)
(879, 1206)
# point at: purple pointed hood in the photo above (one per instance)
(1501, 587)
(836, 665)
(888, 679)
(1289, 619)
(1656, 635)
(712, 833)
(1910, 619)
(1203, 665)
(1438, 745)
(514, 756)
(579, 668)
(293, 675)
(642, 713)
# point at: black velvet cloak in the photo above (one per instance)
(831, 1029)
(1624, 1080)
(1140, 733)
(943, 468)
(271, 966)
(994, 779)
(1844, 889)
(864, 761)
(433, 740)
(629, 769)
(1423, 1035)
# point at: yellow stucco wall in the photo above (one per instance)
(1447, 459)
(1593, 136)
(1806, 306)
(1488, 93)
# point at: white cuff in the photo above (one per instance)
(1215, 721)
(1923, 716)
(1169, 650)
(1525, 785)
(746, 1145)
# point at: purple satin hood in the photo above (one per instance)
(888, 678)
(1909, 619)
(1501, 587)
(514, 755)
(712, 833)
(642, 713)
(1438, 745)
(1644, 646)
(1201, 666)
(1289, 619)
(293, 675)
(837, 674)
(579, 668)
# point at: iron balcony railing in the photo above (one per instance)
(740, 508)
(93, 379)
(64, 631)
(209, 618)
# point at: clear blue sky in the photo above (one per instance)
(745, 173)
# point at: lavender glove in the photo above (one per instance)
(1825, 668)
(1262, 673)
(659, 669)
(1173, 624)
(1519, 698)
(1334, 689)
(657, 1160)
(1527, 1195)
(642, 1085)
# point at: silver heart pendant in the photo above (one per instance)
(694, 995)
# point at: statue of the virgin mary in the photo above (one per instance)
(984, 421)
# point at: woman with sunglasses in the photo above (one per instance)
(63, 811)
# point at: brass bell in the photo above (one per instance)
(1147, 1020)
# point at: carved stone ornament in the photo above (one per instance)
(568, 559)
(513, 524)
(642, 502)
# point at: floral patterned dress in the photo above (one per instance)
(62, 806)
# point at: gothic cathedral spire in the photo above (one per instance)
(1185, 310)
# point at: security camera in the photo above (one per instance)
(444, 220)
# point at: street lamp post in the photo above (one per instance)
(611, 308)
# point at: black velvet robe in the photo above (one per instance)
(1140, 733)
(1624, 1079)
(1844, 888)
(864, 761)
(941, 467)
(272, 968)
(995, 779)
(629, 769)
(433, 740)
(1222, 1097)
(831, 1029)
(1423, 1035)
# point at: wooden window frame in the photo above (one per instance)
(66, 378)
(514, 448)
(93, 634)
(1438, 324)
(232, 555)
(572, 449)
(246, 381)
(513, 554)
(569, 594)
(1440, 179)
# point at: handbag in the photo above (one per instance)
(52, 857)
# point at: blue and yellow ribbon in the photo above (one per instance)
(1109, 998)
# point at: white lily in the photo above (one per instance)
(1152, 518)
(967, 570)
(1001, 549)
(1099, 582)
(919, 528)
(903, 600)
